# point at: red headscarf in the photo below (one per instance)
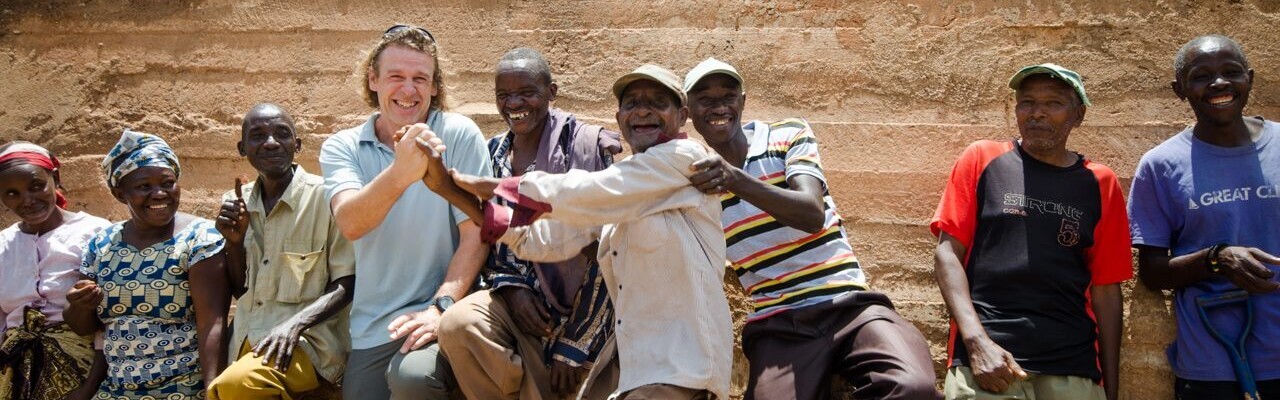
(35, 155)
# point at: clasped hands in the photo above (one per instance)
(427, 146)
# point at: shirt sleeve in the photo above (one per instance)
(89, 264)
(1150, 222)
(802, 152)
(342, 255)
(338, 165)
(957, 213)
(641, 185)
(467, 153)
(548, 240)
(206, 242)
(1110, 259)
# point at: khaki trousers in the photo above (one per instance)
(493, 359)
(961, 385)
(248, 379)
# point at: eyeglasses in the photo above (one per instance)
(401, 27)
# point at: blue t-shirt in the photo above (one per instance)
(401, 263)
(1188, 195)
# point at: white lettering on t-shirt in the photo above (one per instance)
(1222, 196)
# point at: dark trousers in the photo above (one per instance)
(1185, 389)
(793, 354)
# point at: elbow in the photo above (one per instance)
(348, 230)
(1154, 282)
(810, 222)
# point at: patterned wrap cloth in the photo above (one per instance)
(136, 150)
(42, 362)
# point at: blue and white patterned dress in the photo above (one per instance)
(150, 335)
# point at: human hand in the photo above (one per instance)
(437, 175)
(419, 328)
(279, 344)
(993, 367)
(1244, 267)
(527, 310)
(713, 175)
(479, 186)
(565, 377)
(410, 161)
(233, 217)
(85, 295)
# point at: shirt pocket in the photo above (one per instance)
(302, 276)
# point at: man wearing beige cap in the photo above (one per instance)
(1033, 243)
(814, 315)
(661, 249)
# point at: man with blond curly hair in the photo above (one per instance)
(414, 253)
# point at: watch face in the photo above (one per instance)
(444, 302)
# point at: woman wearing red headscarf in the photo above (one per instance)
(40, 358)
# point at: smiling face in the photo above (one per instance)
(522, 96)
(1047, 110)
(1215, 82)
(30, 192)
(152, 195)
(404, 86)
(715, 105)
(649, 112)
(268, 139)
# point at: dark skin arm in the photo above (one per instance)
(233, 224)
(97, 374)
(1108, 308)
(1159, 270)
(81, 314)
(993, 367)
(211, 297)
(799, 207)
(280, 342)
(445, 182)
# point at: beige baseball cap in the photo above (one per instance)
(709, 67)
(654, 73)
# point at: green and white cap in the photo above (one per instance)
(1054, 70)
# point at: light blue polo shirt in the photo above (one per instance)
(401, 263)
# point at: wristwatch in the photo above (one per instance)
(443, 303)
(1211, 259)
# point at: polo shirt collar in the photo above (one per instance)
(369, 133)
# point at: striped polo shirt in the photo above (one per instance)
(783, 268)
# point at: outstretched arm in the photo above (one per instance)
(799, 207)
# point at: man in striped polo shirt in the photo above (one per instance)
(813, 313)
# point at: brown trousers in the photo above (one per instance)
(493, 359)
(859, 336)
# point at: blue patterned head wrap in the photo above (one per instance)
(136, 150)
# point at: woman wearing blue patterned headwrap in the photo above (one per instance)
(154, 283)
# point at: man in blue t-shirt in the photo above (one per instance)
(1204, 207)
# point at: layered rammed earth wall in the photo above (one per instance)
(894, 90)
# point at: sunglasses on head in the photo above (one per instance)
(401, 27)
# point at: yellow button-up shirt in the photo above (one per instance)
(293, 253)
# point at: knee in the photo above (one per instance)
(236, 382)
(421, 374)
(459, 323)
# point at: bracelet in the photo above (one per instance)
(1211, 260)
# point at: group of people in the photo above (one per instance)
(427, 262)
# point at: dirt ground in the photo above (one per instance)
(894, 90)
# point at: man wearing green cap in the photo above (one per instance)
(1033, 243)
(813, 315)
(661, 250)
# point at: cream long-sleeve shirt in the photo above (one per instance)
(662, 253)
